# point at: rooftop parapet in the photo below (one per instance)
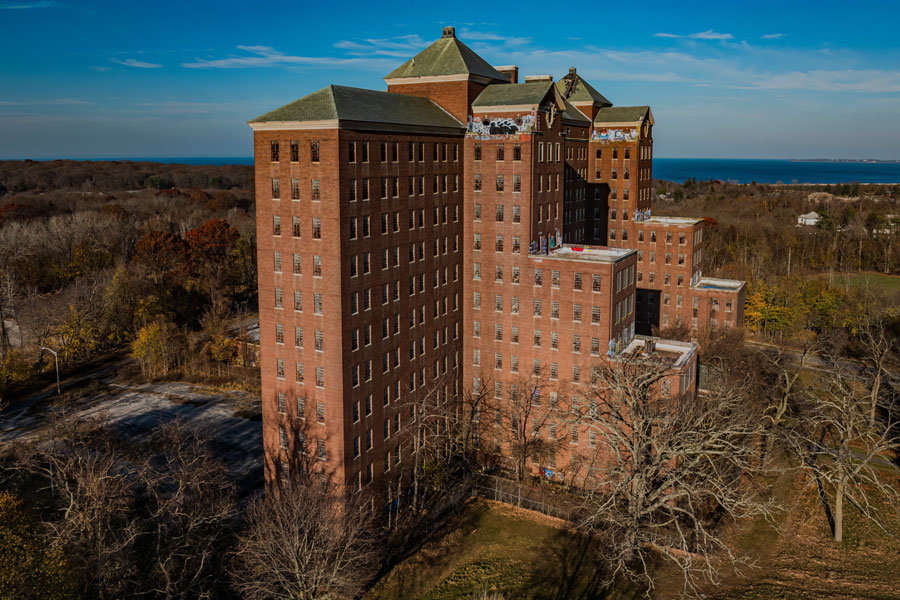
(674, 352)
(601, 254)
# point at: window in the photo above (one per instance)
(517, 183)
(517, 152)
(279, 333)
(277, 262)
(276, 190)
(576, 283)
(476, 151)
(317, 266)
(276, 225)
(274, 151)
(317, 228)
(499, 152)
(351, 151)
(314, 150)
(499, 215)
(298, 301)
(315, 190)
(295, 226)
(295, 189)
(477, 182)
(278, 298)
(517, 213)
(499, 183)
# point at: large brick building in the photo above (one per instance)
(460, 228)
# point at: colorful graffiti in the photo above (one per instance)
(501, 125)
(606, 134)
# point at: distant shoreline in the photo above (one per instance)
(784, 172)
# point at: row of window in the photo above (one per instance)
(390, 257)
(538, 308)
(296, 226)
(358, 189)
(537, 366)
(300, 376)
(298, 264)
(644, 154)
(682, 238)
(537, 338)
(275, 148)
(555, 276)
(651, 278)
(415, 151)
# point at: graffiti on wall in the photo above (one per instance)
(606, 134)
(501, 125)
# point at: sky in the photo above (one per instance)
(724, 79)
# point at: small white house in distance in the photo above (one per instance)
(811, 218)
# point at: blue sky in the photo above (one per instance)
(756, 80)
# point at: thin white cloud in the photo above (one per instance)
(130, 62)
(847, 80)
(487, 36)
(266, 56)
(772, 36)
(29, 5)
(47, 102)
(400, 47)
(709, 34)
(102, 69)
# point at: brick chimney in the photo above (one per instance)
(511, 71)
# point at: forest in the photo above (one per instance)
(95, 257)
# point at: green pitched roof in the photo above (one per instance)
(512, 94)
(446, 56)
(338, 102)
(621, 114)
(582, 90)
(574, 115)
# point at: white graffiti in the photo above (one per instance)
(501, 125)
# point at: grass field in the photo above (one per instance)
(495, 548)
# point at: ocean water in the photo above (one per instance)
(737, 170)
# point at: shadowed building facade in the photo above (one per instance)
(461, 228)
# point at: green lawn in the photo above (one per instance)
(495, 548)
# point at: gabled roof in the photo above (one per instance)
(580, 91)
(623, 114)
(446, 56)
(513, 94)
(341, 103)
(575, 116)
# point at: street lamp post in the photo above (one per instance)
(56, 360)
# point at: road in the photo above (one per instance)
(138, 410)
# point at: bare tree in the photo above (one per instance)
(305, 540)
(879, 350)
(524, 422)
(191, 507)
(94, 492)
(843, 448)
(664, 470)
